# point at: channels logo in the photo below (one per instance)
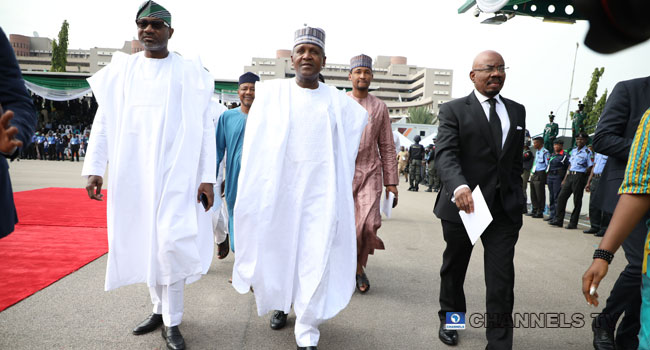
(455, 320)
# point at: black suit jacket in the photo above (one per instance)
(466, 153)
(614, 133)
(14, 97)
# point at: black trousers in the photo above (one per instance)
(554, 185)
(74, 149)
(595, 214)
(499, 241)
(538, 191)
(625, 297)
(573, 185)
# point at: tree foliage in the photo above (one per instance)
(60, 49)
(590, 100)
(594, 115)
(421, 115)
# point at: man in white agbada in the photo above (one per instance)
(154, 128)
(294, 215)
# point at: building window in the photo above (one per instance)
(423, 133)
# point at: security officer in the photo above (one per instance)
(538, 178)
(557, 167)
(574, 182)
(434, 181)
(550, 132)
(528, 158)
(51, 146)
(597, 218)
(40, 145)
(75, 143)
(60, 147)
(416, 155)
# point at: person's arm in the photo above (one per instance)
(207, 169)
(18, 120)
(386, 148)
(591, 175)
(608, 139)
(448, 164)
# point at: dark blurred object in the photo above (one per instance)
(615, 25)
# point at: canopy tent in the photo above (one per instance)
(404, 141)
(550, 10)
(69, 86)
(428, 140)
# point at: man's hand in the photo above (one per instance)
(393, 190)
(592, 278)
(94, 187)
(8, 142)
(587, 186)
(464, 200)
(206, 188)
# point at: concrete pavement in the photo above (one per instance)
(399, 311)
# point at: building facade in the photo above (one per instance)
(34, 54)
(395, 82)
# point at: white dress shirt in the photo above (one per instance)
(503, 117)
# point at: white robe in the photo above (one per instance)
(154, 128)
(294, 213)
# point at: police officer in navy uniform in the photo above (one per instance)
(538, 178)
(574, 182)
(557, 167)
(597, 218)
(416, 155)
(75, 144)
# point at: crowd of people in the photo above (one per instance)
(303, 167)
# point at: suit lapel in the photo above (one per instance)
(513, 125)
(478, 115)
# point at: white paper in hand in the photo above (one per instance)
(386, 205)
(476, 222)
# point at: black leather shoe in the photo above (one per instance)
(278, 320)
(600, 233)
(448, 336)
(538, 216)
(555, 223)
(548, 218)
(530, 214)
(590, 231)
(571, 227)
(603, 338)
(173, 337)
(150, 324)
(307, 348)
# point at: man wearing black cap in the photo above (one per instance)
(557, 166)
(416, 155)
(230, 140)
(578, 125)
(538, 178)
(574, 182)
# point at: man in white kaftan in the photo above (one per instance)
(294, 212)
(154, 128)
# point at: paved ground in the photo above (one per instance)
(399, 312)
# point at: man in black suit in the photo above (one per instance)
(480, 143)
(15, 132)
(614, 134)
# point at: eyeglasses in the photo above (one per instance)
(143, 24)
(490, 69)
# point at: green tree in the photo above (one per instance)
(595, 113)
(421, 115)
(590, 99)
(60, 49)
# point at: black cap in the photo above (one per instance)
(558, 141)
(615, 25)
(538, 138)
(248, 77)
(583, 135)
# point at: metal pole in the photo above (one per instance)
(575, 57)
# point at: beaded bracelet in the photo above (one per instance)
(604, 254)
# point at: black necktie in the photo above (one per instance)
(495, 123)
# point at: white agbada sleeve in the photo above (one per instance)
(97, 153)
(207, 161)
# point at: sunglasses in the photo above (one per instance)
(143, 24)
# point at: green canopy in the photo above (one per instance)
(58, 82)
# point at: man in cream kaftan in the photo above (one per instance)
(157, 103)
(294, 213)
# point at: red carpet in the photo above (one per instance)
(59, 231)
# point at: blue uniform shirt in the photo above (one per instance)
(599, 163)
(580, 159)
(541, 159)
(558, 161)
(74, 141)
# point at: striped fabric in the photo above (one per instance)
(309, 35)
(153, 9)
(637, 172)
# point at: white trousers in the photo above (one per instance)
(168, 301)
(220, 221)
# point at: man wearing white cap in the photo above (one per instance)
(294, 214)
